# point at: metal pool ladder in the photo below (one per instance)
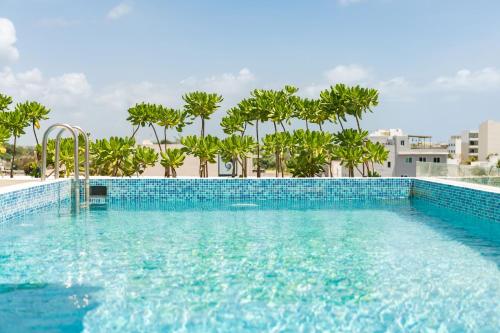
(75, 131)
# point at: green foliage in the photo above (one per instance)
(237, 149)
(142, 157)
(351, 148)
(5, 102)
(14, 121)
(33, 112)
(172, 159)
(277, 144)
(375, 153)
(32, 169)
(205, 148)
(309, 152)
(113, 157)
(4, 137)
(201, 104)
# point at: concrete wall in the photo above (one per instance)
(190, 167)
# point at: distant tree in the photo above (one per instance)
(203, 105)
(34, 113)
(172, 159)
(203, 147)
(14, 122)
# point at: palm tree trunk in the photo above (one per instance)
(36, 140)
(135, 131)
(156, 135)
(307, 125)
(174, 173)
(233, 163)
(258, 148)
(276, 156)
(357, 123)
(282, 168)
(202, 127)
(282, 126)
(340, 123)
(165, 138)
(13, 157)
(34, 132)
(320, 127)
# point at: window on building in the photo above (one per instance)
(437, 160)
(389, 164)
(402, 142)
(409, 160)
(422, 159)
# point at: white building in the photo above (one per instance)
(405, 151)
(479, 145)
(470, 145)
(455, 147)
(489, 139)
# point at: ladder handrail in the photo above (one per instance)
(74, 130)
(44, 147)
(87, 163)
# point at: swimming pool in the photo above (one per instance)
(398, 264)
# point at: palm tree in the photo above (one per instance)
(145, 114)
(201, 104)
(375, 153)
(172, 159)
(333, 103)
(110, 157)
(351, 148)
(360, 100)
(142, 158)
(279, 144)
(236, 149)
(34, 112)
(14, 122)
(4, 136)
(234, 121)
(308, 152)
(169, 118)
(205, 148)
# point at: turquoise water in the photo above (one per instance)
(399, 266)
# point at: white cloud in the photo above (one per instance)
(67, 90)
(227, 83)
(119, 11)
(480, 80)
(120, 97)
(8, 51)
(347, 74)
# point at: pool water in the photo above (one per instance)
(401, 266)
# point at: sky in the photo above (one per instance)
(435, 63)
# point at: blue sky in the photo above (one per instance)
(436, 63)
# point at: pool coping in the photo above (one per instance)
(456, 182)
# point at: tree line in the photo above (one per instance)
(306, 152)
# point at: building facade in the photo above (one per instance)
(470, 145)
(455, 147)
(489, 139)
(405, 151)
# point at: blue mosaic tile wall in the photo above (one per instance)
(28, 200)
(156, 190)
(312, 189)
(467, 200)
